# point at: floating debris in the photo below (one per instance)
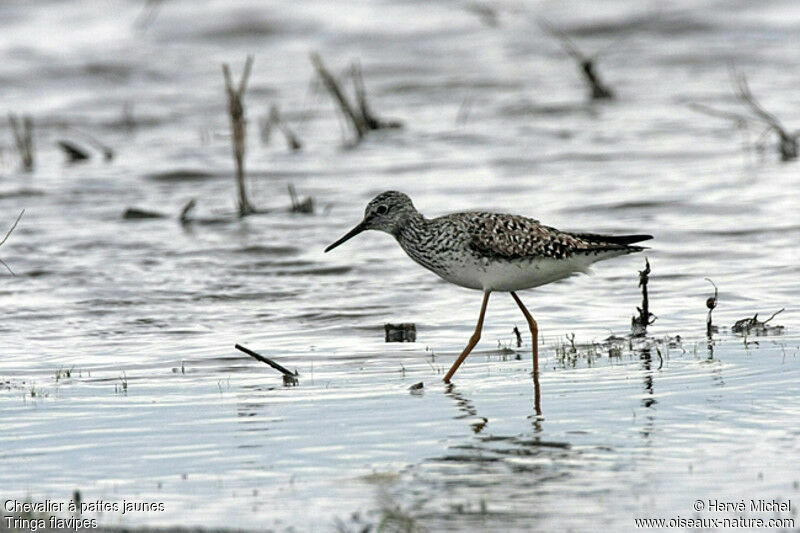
(134, 213)
(181, 175)
(753, 326)
(73, 151)
(406, 332)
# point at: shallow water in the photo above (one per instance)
(160, 407)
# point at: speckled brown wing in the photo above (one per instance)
(513, 236)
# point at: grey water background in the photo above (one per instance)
(217, 438)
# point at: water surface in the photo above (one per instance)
(159, 406)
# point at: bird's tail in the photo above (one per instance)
(615, 239)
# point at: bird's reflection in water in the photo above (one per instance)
(487, 448)
(537, 403)
(467, 409)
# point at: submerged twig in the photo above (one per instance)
(598, 90)
(14, 225)
(238, 129)
(644, 318)
(287, 375)
(23, 138)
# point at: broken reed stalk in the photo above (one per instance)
(354, 118)
(598, 90)
(372, 121)
(360, 116)
(645, 317)
(361, 96)
(266, 360)
(238, 129)
(14, 225)
(23, 138)
(711, 304)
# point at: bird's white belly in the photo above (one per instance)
(514, 275)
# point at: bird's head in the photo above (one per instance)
(386, 212)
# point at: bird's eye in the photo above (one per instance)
(382, 209)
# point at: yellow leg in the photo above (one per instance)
(472, 340)
(534, 331)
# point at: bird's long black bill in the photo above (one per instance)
(350, 234)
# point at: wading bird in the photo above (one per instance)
(489, 252)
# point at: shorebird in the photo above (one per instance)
(489, 252)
